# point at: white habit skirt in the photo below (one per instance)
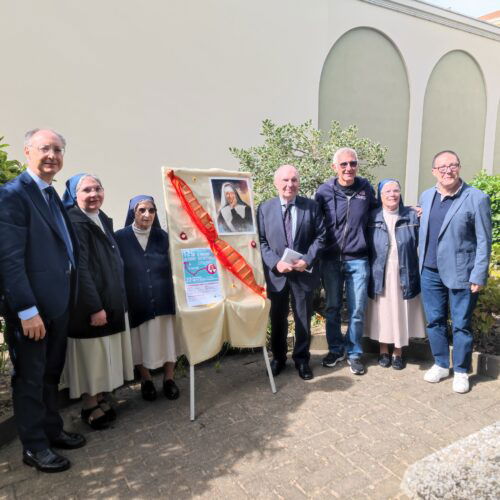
(99, 365)
(153, 342)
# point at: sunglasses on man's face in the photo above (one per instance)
(345, 164)
(143, 210)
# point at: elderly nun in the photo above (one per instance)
(235, 216)
(394, 312)
(99, 356)
(148, 282)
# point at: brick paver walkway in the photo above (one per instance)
(338, 436)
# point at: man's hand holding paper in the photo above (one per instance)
(295, 260)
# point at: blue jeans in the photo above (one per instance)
(436, 298)
(354, 274)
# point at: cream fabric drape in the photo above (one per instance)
(241, 317)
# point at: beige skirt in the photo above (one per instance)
(153, 342)
(99, 365)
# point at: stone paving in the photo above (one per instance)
(468, 468)
(337, 436)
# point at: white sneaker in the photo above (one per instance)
(461, 382)
(435, 374)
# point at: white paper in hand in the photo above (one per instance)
(290, 256)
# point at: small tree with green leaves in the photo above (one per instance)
(308, 149)
(487, 311)
(8, 168)
(490, 184)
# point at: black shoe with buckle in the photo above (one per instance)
(46, 460)
(170, 389)
(68, 441)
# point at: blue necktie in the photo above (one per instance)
(287, 220)
(63, 230)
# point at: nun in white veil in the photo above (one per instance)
(235, 216)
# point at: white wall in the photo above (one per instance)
(136, 85)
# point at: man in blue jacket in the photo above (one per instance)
(345, 201)
(38, 258)
(454, 253)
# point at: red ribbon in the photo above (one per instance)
(233, 261)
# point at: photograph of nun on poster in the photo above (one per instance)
(233, 205)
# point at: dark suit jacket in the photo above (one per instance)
(34, 264)
(309, 240)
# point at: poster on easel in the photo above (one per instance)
(201, 277)
(216, 263)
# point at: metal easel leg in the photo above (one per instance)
(191, 393)
(269, 372)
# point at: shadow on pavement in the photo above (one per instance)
(154, 449)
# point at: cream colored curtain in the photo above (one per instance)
(241, 316)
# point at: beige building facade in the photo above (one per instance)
(137, 85)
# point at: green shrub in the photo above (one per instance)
(487, 311)
(490, 184)
(8, 168)
(309, 150)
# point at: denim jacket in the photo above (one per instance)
(407, 242)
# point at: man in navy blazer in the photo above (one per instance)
(454, 253)
(293, 222)
(38, 257)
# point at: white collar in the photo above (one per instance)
(443, 195)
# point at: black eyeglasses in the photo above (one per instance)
(352, 164)
(453, 167)
(143, 210)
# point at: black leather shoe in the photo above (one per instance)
(305, 371)
(398, 363)
(148, 390)
(46, 460)
(170, 389)
(277, 367)
(68, 441)
(384, 360)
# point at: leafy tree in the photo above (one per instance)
(490, 184)
(308, 149)
(8, 168)
(485, 315)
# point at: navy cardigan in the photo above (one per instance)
(148, 275)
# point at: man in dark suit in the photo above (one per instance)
(38, 256)
(290, 222)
